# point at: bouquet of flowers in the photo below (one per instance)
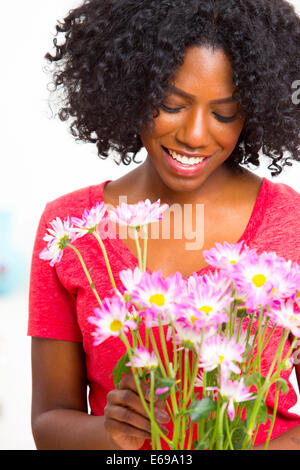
(198, 342)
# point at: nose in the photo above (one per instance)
(194, 131)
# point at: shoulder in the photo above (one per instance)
(282, 202)
(74, 203)
(279, 227)
(281, 193)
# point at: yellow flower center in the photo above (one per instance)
(221, 358)
(259, 280)
(232, 261)
(63, 242)
(157, 299)
(116, 325)
(206, 309)
(298, 294)
(194, 319)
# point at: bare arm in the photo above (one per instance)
(60, 419)
(59, 399)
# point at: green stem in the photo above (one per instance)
(255, 434)
(87, 273)
(145, 228)
(138, 248)
(259, 346)
(249, 330)
(283, 339)
(96, 235)
(154, 345)
(264, 389)
(137, 382)
(219, 443)
(167, 364)
(228, 433)
(174, 349)
(277, 394)
(239, 331)
(155, 436)
(185, 386)
(164, 345)
(195, 371)
(268, 337)
(273, 417)
(215, 431)
(191, 431)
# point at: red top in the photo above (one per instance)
(61, 300)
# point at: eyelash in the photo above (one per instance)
(220, 118)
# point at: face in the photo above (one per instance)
(199, 123)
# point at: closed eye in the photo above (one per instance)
(170, 110)
(225, 118)
(218, 116)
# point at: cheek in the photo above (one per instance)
(162, 125)
(227, 134)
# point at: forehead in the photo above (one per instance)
(205, 73)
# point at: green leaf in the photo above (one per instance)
(120, 369)
(202, 445)
(262, 413)
(238, 435)
(254, 379)
(162, 382)
(283, 385)
(201, 409)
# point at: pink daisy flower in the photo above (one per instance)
(219, 281)
(90, 219)
(285, 279)
(235, 391)
(135, 215)
(130, 278)
(187, 335)
(58, 238)
(156, 295)
(111, 320)
(285, 315)
(207, 306)
(221, 351)
(144, 359)
(254, 277)
(226, 255)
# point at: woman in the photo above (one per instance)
(203, 86)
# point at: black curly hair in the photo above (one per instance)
(118, 57)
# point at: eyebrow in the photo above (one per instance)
(176, 90)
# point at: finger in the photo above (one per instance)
(129, 399)
(128, 382)
(113, 426)
(126, 398)
(126, 415)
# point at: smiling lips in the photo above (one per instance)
(183, 165)
(185, 159)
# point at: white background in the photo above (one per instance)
(39, 162)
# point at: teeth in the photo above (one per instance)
(186, 160)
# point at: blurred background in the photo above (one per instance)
(40, 161)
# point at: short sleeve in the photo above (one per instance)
(52, 308)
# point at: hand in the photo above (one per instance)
(125, 417)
